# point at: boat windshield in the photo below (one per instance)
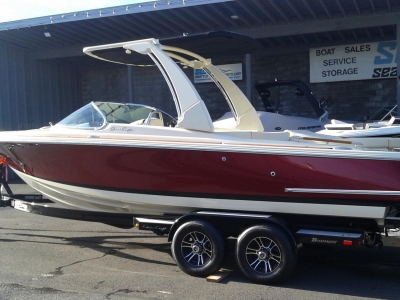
(385, 113)
(87, 117)
(97, 115)
(124, 112)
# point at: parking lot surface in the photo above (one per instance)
(49, 258)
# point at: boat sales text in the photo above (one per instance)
(344, 61)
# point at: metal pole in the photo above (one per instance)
(248, 77)
(130, 83)
(398, 66)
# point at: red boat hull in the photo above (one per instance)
(209, 174)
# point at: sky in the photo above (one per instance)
(11, 10)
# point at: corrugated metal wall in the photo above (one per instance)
(58, 92)
(13, 87)
(35, 92)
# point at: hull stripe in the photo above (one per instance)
(344, 192)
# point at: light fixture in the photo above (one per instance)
(235, 17)
(46, 32)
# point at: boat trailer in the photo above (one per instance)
(161, 225)
(201, 231)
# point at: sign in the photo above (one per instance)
(233, 71)
(353, 62)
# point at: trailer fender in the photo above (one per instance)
(179, 222)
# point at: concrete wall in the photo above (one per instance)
(353, 100)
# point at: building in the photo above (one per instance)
(346, 49)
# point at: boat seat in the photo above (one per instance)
(340, 126)
(156, 122)
(376, 125)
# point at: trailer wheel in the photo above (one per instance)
(265, 254)
(198, 248)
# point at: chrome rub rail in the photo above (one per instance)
(345, 192)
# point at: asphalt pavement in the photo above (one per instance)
(49, 258)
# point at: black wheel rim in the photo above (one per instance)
(263, 255)
(196, 248)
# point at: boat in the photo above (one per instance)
(384, 123)
(282, 98)
(128, 158)
(284, 102)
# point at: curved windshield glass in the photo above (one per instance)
(124, 112)
(97, 115)
(385, 113)
(136, 114)
(87, 117)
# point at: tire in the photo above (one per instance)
(198, 248)
(266, 254)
